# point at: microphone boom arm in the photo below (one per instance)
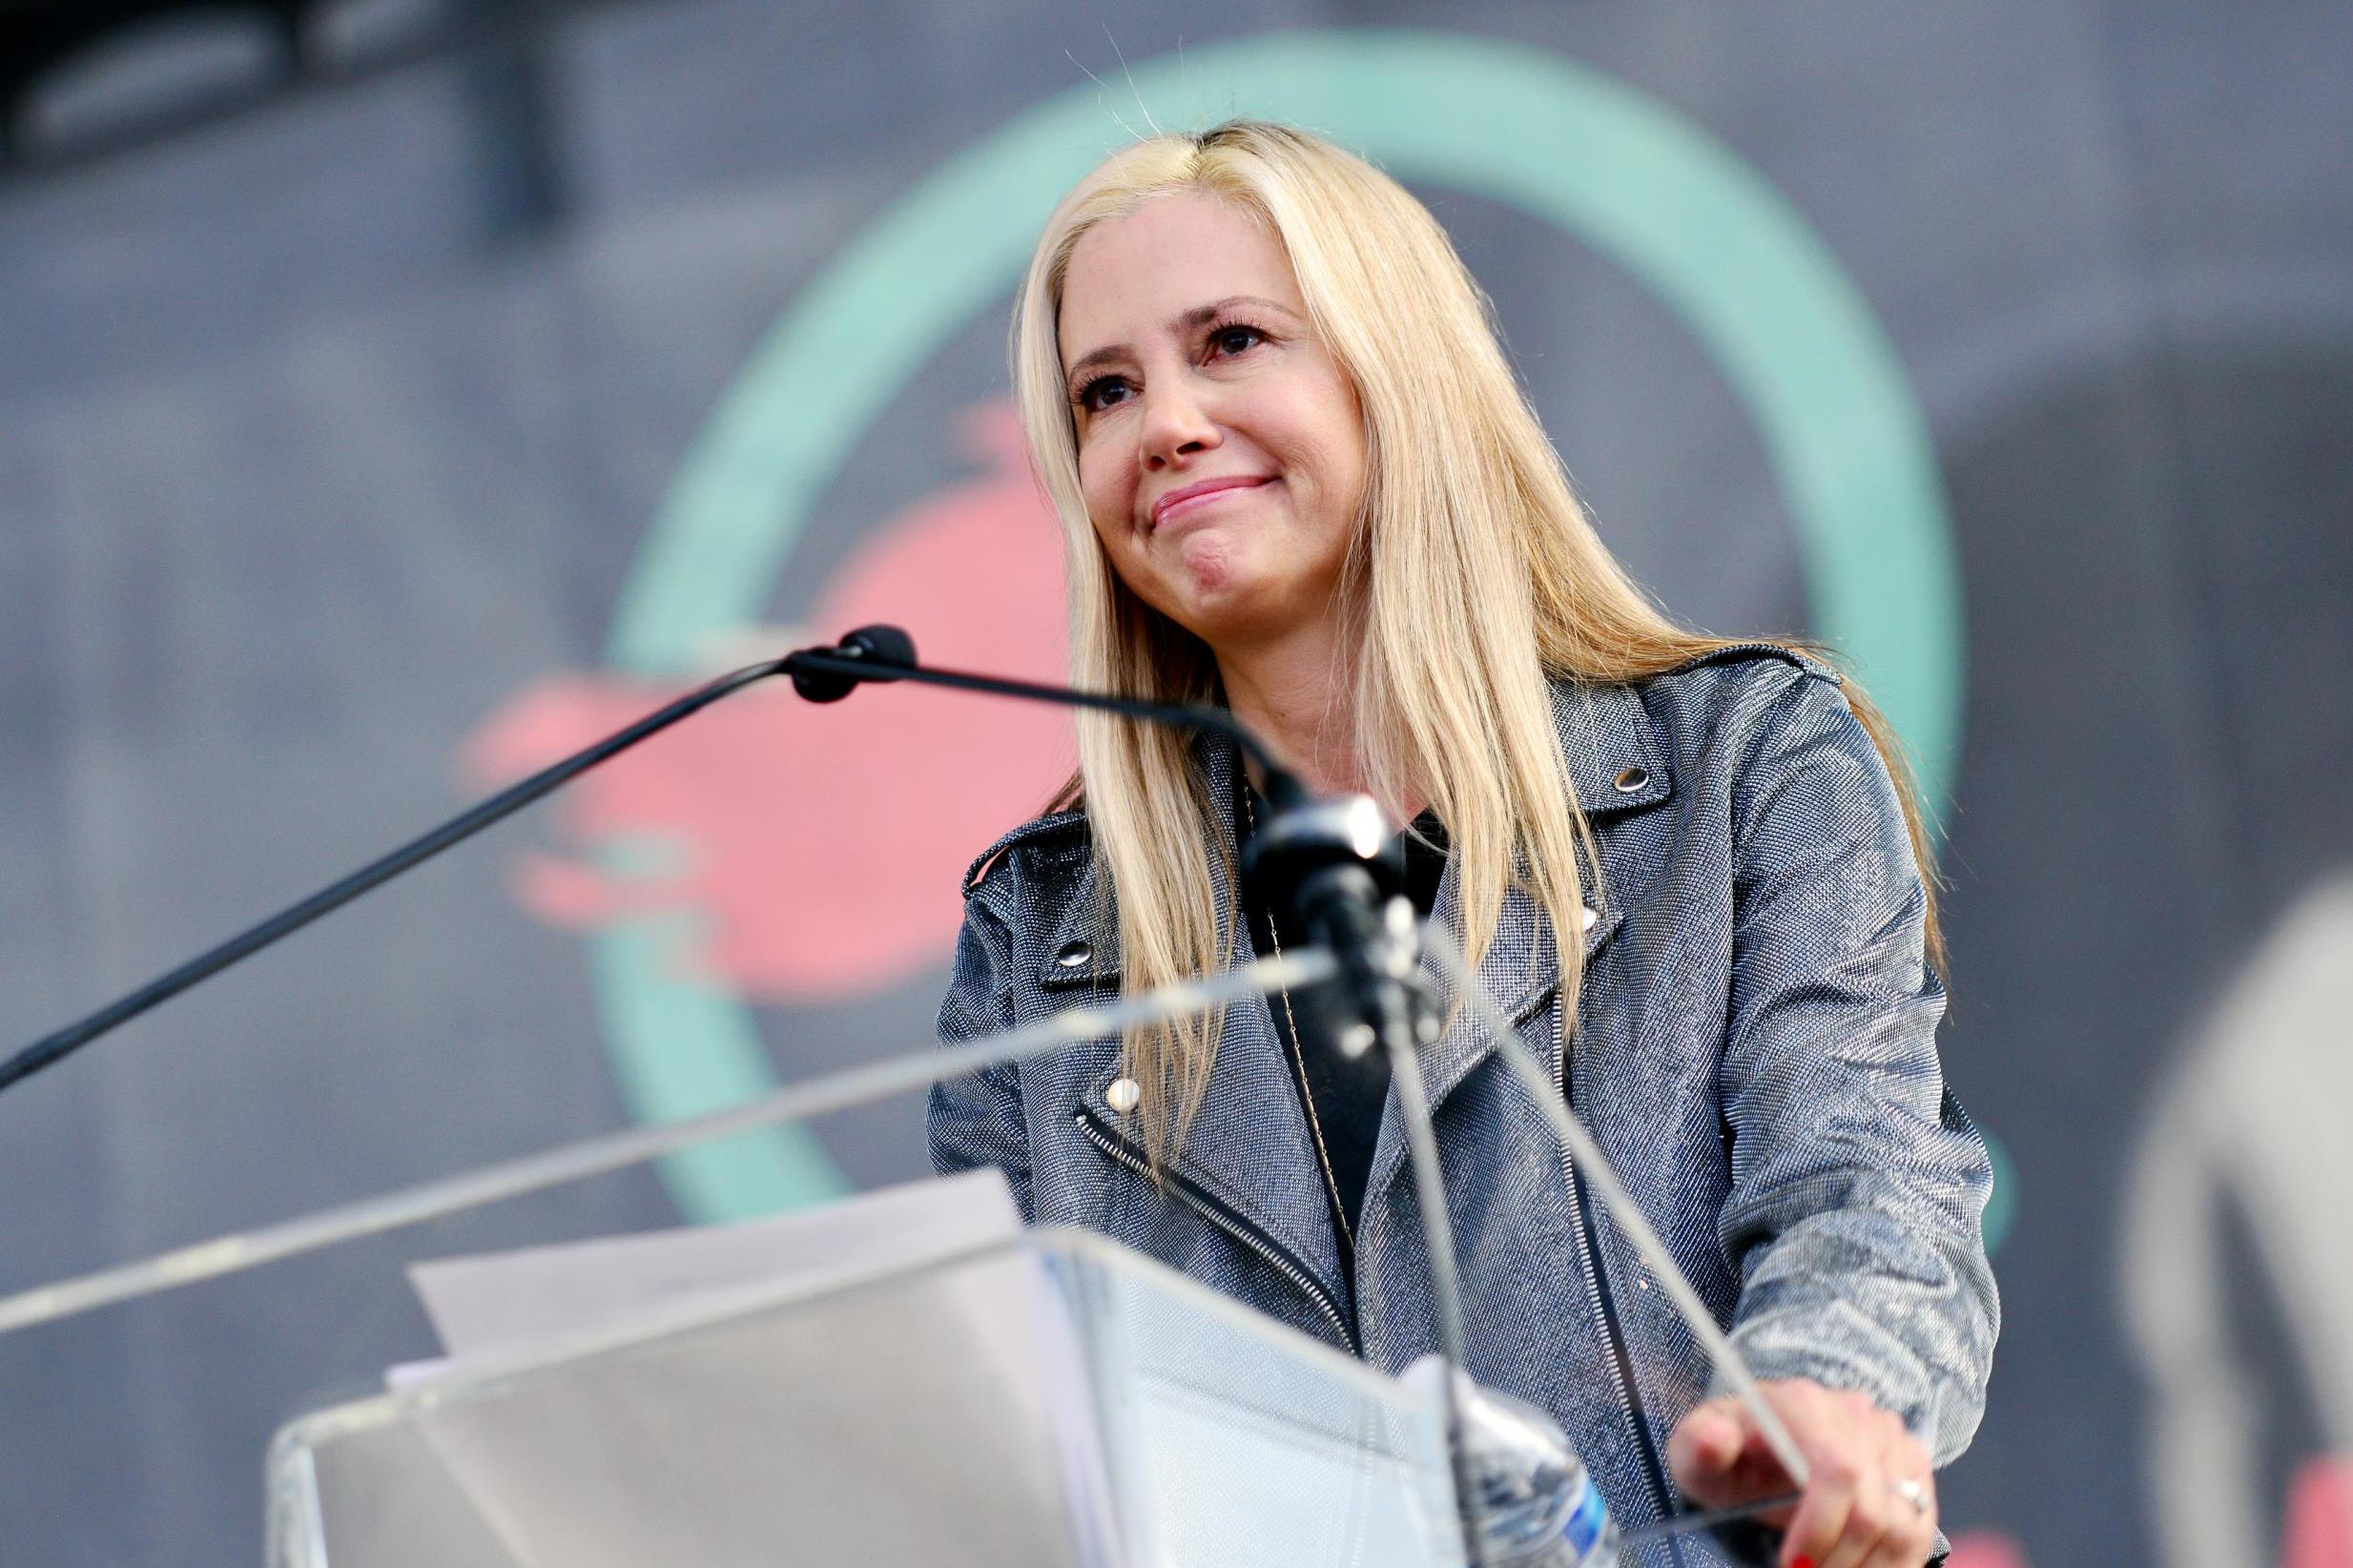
(833, 665)
(50, 1050)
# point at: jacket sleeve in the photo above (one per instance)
(1858, 1184)
(977, 1119)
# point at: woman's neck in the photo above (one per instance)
(1298, 694)
(1300, 698)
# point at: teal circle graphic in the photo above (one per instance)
(1618, 172)
(2001, 1210)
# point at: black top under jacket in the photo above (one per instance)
(1344, 1098)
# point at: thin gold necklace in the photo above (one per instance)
(1299, 1060)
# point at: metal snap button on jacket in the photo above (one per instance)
(1073, 955)
(1122, 1094)
(1587, 921)
(1631, 780)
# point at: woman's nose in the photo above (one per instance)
(1175, 426)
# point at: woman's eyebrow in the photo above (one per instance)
(1198, 317)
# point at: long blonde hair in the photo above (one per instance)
(1466, 501)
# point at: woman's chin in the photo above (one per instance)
(1226, 593)
(1212, 563)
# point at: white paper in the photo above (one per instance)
(943, 1416)
(497, 1303)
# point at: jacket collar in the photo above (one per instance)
(1614, 763)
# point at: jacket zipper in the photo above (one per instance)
(1221, 1214)
(1605, 1307)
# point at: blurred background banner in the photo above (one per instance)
(395, 394)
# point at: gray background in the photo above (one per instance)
(328, 425)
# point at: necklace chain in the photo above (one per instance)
(1299, 1060)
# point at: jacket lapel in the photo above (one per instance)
(1250, 1146)
(1613, 764)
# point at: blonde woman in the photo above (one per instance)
(1295, 476)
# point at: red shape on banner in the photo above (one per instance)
(824, 845)
(1985, 1549)
(2319, 1532)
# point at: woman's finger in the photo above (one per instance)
(1908, 1535)
(1912, 1530)
(1719, 1457)
(1820, 1521)
(1706, 1445)
(1905, 1544)
(1867, 1519)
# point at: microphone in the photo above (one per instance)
(820, 674)
(884, 648)
(1327, 860)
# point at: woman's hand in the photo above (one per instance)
(1870, 1499)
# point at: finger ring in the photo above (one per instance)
(1914, 1493)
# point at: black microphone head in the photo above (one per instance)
(1301, 843)
(821, 684)
(884, 647)
(883, 644)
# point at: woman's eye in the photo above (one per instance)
(1095, 396)
(1236, 340)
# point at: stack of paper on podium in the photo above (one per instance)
(905, 1378)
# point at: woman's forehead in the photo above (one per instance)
(1141, 273)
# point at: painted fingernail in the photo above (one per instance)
(1800, 1562)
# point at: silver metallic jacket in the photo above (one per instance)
(1754, 1051)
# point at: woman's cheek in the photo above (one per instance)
(1111, 531)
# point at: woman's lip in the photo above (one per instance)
(1175, 499)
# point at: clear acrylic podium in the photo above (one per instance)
(1055, 1399)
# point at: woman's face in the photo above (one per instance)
(1221, 449)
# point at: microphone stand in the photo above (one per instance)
(1330, 860)
(1319, 856)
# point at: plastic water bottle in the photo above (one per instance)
(1536, 1505)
